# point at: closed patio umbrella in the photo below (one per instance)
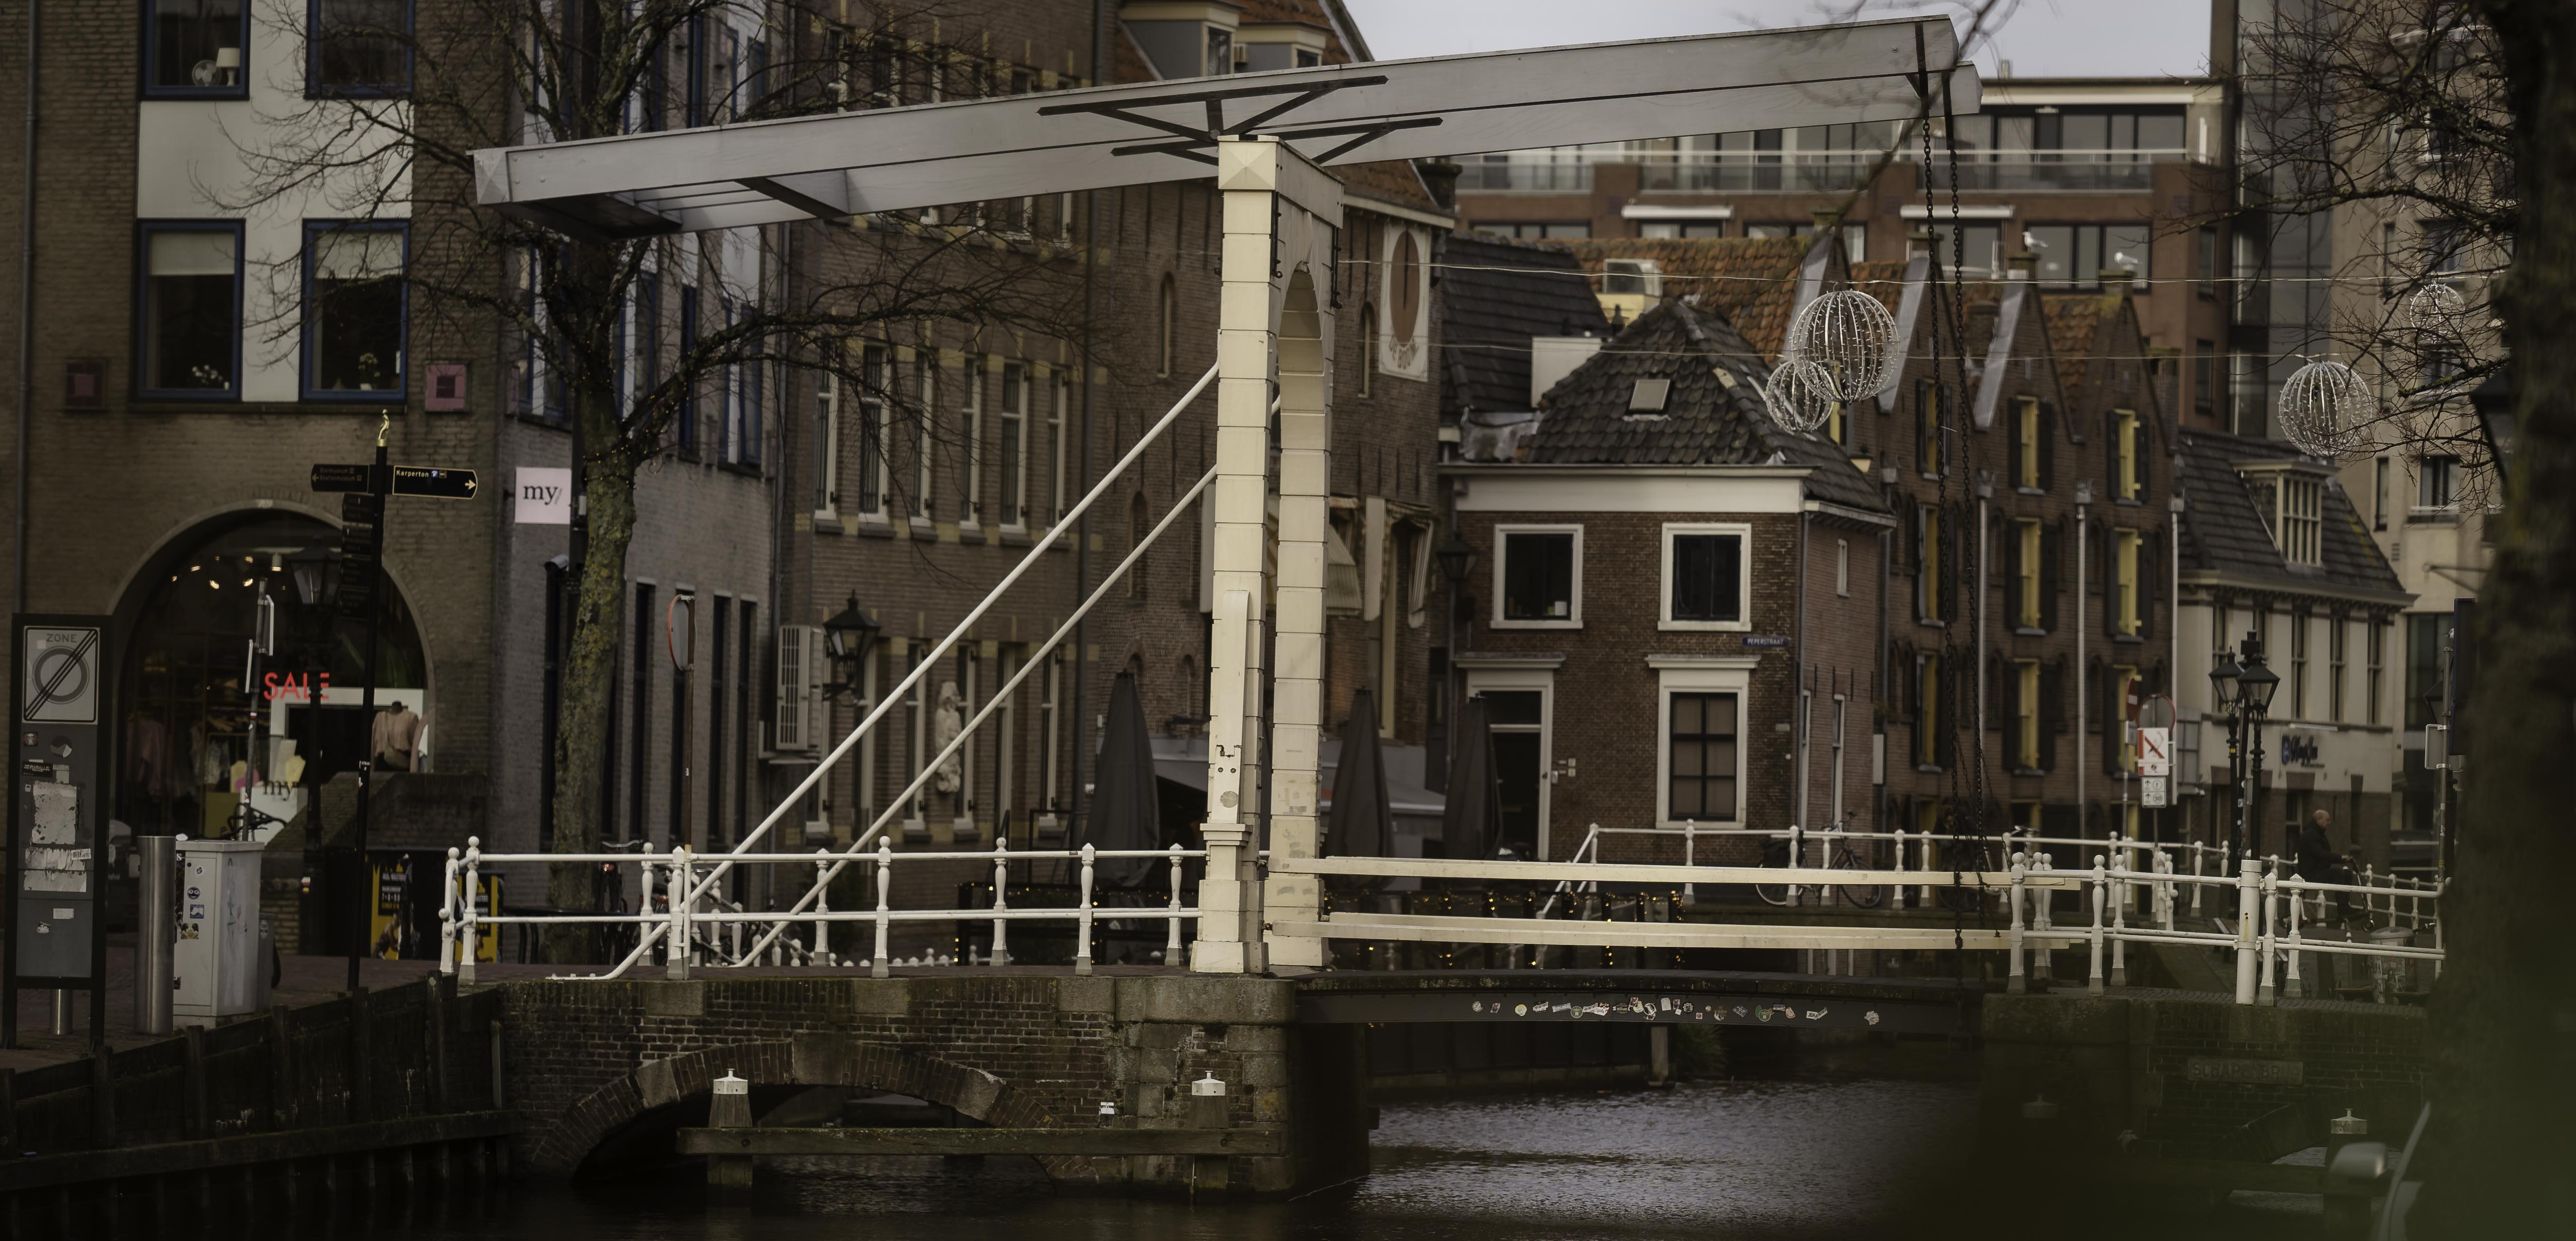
(1124, 807)
(1363, 822)
(1470, 825)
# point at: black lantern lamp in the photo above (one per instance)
(1456, 559)
(2257, 682)
(2223, 682)
(311, 570)
(848, 638)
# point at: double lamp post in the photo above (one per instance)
(2242, 686)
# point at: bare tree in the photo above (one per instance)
(2438, 133)
(473, 74)
(2379, 131)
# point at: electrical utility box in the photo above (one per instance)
(220, 969)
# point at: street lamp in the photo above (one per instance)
(847, 639)
(1456, 558)
(2255, 684)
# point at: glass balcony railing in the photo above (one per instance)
(1568, 171)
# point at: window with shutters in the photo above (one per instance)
(1538, 577)
(1928, 604)
(2128, 481)
(2026, 714)
(2126, 606)
(1928, 407)
(1926, 720)
(2027, 554)
(2124, 691)
(2027, 430)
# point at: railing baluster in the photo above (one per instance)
(2291, 986)
(1082, 927)
(2269, 944)
(822, 954)
(473, 885)
(676, 962)
(1172, 922)
(878, 965)
(447, 917)
(1000, 953)
(2099, 892)
(2015, 981)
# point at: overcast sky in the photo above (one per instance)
(2042, 38)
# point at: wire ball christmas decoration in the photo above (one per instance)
(1848, 334)
(1799, 394)
(2436, 308)
(2324, 407)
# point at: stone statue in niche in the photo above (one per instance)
(945, 722)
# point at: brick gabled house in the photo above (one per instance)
(2029, 585)
(1674, 601)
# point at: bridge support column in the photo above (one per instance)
(1280, 214)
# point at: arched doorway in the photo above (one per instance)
(210, 725)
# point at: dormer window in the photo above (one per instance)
(1186, 38)
(2291, 501)
(1635, 277)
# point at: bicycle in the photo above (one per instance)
(1775, 852)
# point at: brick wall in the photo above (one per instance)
(1607, 704)
(588, 1059)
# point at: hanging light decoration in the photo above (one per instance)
(2437, 308)
(2324, 407)
(1799, 394)
(1847, 333)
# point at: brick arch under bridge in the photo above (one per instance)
(564, 1146)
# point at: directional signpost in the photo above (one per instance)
(363, 487)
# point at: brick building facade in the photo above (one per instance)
(756, 515)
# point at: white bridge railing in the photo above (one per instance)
(681, 915)
(2267, 936)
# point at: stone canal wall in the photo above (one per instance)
(604, 1073)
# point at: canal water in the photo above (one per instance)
(1718, 1161)
(1771, 1160)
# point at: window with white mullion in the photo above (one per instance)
(827, 448)
(925, 395)
(970, 439)
(1010, 444)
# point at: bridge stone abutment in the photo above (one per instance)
(591, 1064)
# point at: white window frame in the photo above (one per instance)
(970, 419)
(1702, 675)
(1013, 418)
(827, 447)
(880, 393)
(1063, 398)
(1743, 531)
(925, 395)
(1573, 605)
(1834, 793)
(1543, 680)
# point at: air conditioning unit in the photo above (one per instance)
(796, 724)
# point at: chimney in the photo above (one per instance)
(2120, 281)
(1828, 219)
(1440, 176)
(2020, 265)
(1918, 242)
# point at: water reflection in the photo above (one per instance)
(1727, 1161)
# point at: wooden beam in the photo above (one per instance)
(73, 1167)
(927, 1141)
(1433, 928)
(1595, 872)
